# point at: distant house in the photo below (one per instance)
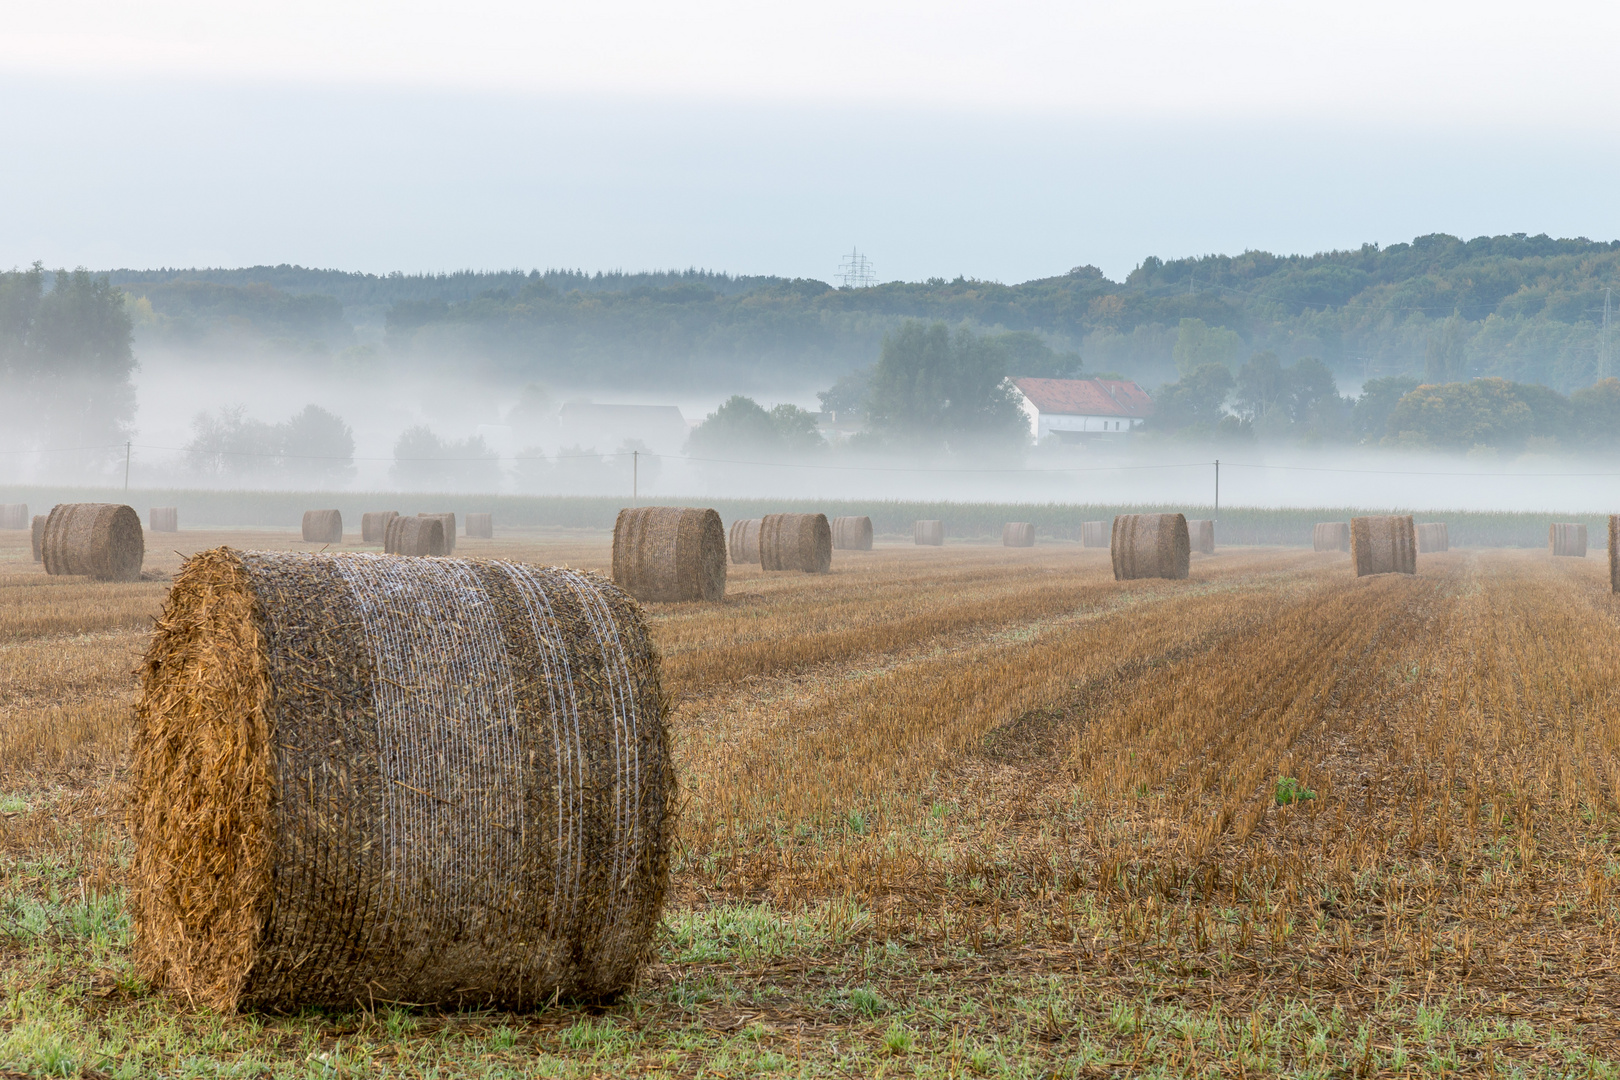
(605, 427)
(1081, 410)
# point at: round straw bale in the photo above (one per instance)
(1432, 536)
(1018, 534)
(1149, 546)
(13, 515)
(1567, 540)
(795, 542)
(852, 533)
(37, 535)
(1383, 545)
(1331, 536)
(1614, 553)
(743, 541)
(360, 779)
(419, 537)
(100, 540)
(374, 525)
(481, 526)
(449, 530)
(1095, 534)
(1201, 535)
(323, 527)
(670, 553)
(928, 533)
(163, 519)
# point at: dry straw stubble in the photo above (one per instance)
(670, 553)
(360, 779)
(1201, 535)
(419, 537)
(1567, 540)
(743, 541)
(801, 542)
(1385, 544)
(1150, 546)
(928, 533)
(374, 525)
(1018, 534)
(323, 527)
(852, 533)
(99, 540)
(1331, 536)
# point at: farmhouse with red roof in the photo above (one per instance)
(1080, 410)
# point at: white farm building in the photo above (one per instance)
(1081, 410)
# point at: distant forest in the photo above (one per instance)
(1529, 309)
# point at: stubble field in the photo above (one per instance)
(972, 811)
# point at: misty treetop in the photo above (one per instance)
(313, 447)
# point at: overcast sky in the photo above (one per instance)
(1001, 141)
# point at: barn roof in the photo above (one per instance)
(1086, 397)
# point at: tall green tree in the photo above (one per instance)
(1195, 404)
(741, 427)
(933, 389)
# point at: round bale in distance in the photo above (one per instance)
(852, 533)
(449, 530)
(37, 537)
(418, 537)
(1150, 546)
(481, 526)
(374, 525)
(1331, 536)
(323, 527)
(1568, 540)
(99, 540)
(800, 542)
(1383, 545)
(743, 541)
(1018, 534)
(1201, 535)
(13, 515)
(929, 533)
(669, 553)
(1432, 536)
(1095, 534)
(164, 519)
(362, 779)
(1614, 553)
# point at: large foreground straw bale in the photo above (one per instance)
(323, 527)
(164, 519)
(13, 515)
(1150, 546)
(1201, 535)
(852, 533)
(37, 537)
(100, 540)
(1432, 536)
(800, 542)
(1614, 553)
(1018, 534)
(449, 530)
(930, 533)
(1096, 534)
(1383, 545)
(359, 779)
(743, 541)
(374, 525)
(1331, 536)
(481, 526)
(670, 553)
(419, 537)
(1567, 540)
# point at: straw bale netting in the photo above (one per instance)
(163, 519)
(1567, 540)
(449, 530)
(743, 541)
(795, 542)
(1331, 536)
(1383, 545)
(374, 525)
(99, 540)
(928, 533)
(670, 553)
(1018, 534)
(1201, 535)
(1096, 534)
(37, 537)
(419, 537)
(481, 526)
(323, 527)
(852, 533)
(1432, 536)
(1614, 553)
(13, 515)
(1150, 546)
(359, 779)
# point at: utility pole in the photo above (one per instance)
(1217, 516)
(635, 477)
(126, 466)
(1603, 361)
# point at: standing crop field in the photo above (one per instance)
(972, 811)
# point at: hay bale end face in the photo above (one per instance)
(1432, 536)
(449, 521)
(1201, 535)
(852, 533)
(930, 533)
(1018, 534)
(359, 779)
(374, 525)
(801, 542)
(481, 526)
(1383, 545)
(418, 537)
(164, 519)
(1567, 540)
(743, 541)
(1614, 553)
(670, 553)
(37, 537)
(1096, 534)
(323, 527)
(1150, 546)
(99, 540)
(13, 515)
(1331, 536)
